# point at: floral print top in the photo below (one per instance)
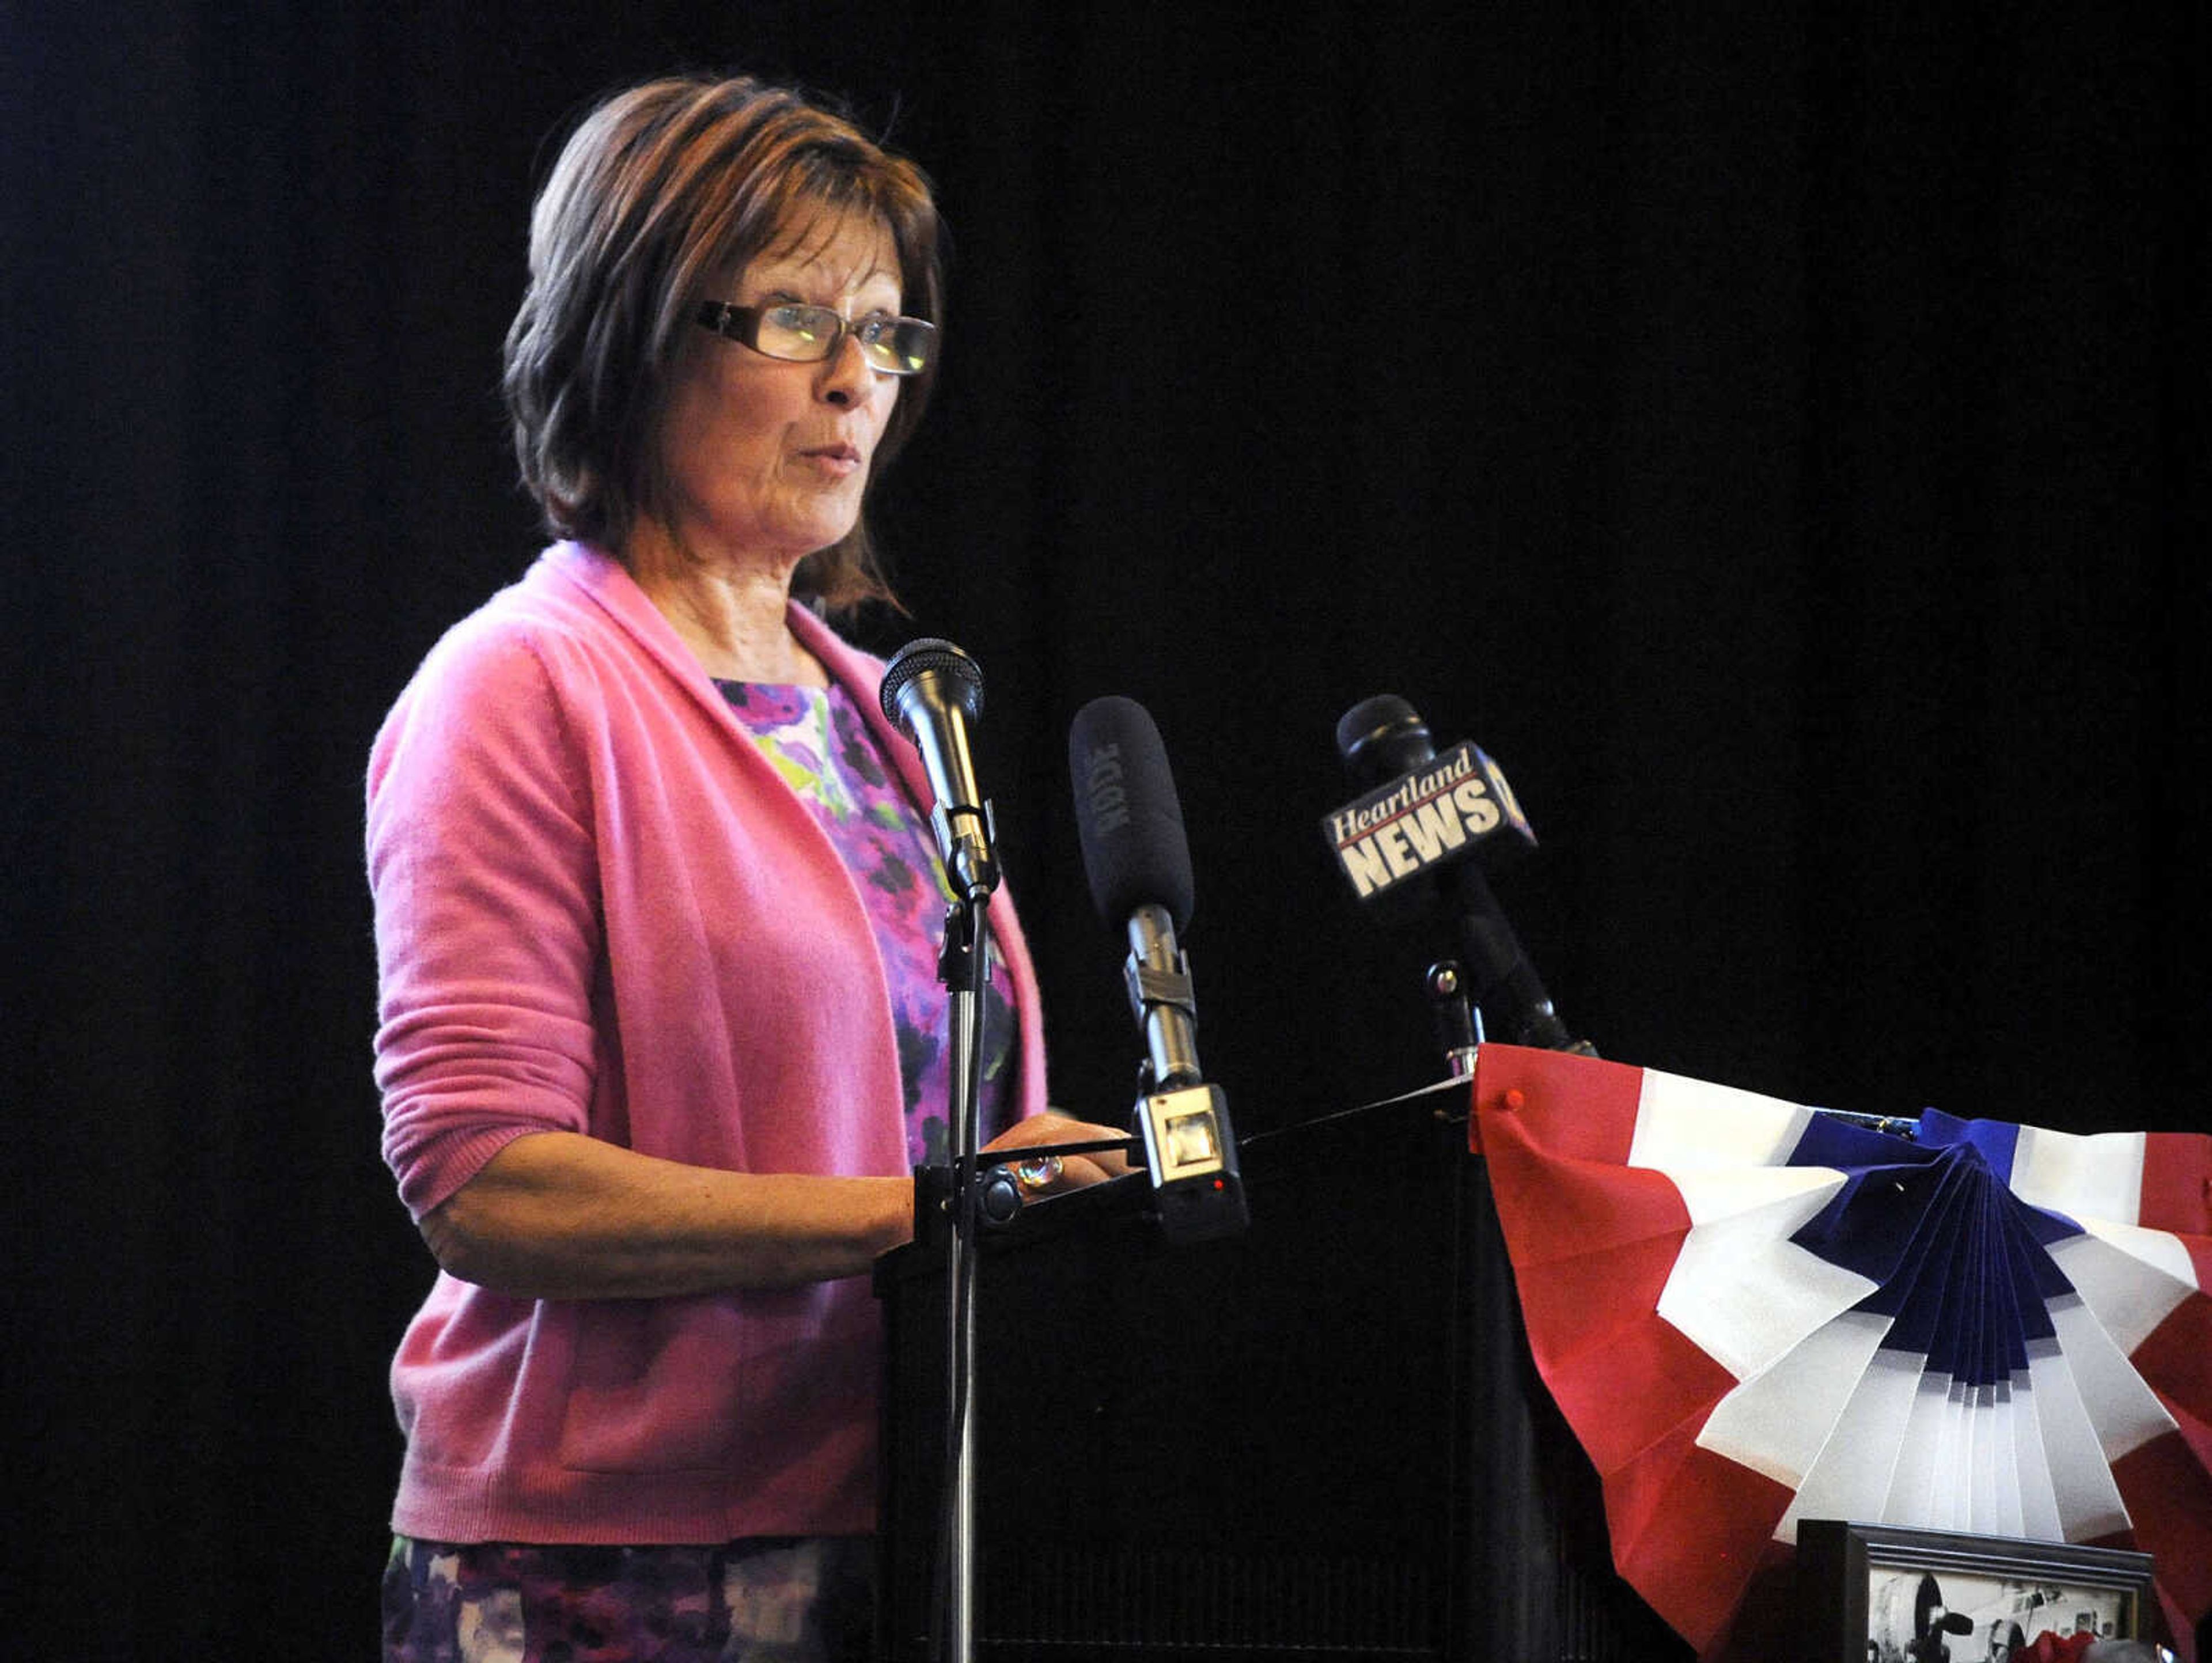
(818, 741)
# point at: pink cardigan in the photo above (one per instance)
(600, 909)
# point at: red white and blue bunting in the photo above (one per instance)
(1751, 1313)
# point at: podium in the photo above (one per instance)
(1320, 1439)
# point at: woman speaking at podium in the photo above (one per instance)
(658, 914)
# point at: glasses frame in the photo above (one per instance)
(742, 324)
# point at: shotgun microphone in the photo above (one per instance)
(1138, 861)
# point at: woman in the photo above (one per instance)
(657, 917)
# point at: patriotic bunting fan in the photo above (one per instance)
(1751, 1312)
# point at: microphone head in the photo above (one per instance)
(1127, 813)
(1382, 738)
(935, 669)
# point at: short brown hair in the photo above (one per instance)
(660, 190)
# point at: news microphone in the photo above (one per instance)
(1134, 852)
(932, 692)
(1420, 824)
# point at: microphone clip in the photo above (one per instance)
(1157, 974)
(970, 865)
(1158, 984)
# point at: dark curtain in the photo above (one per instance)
(1777, 433)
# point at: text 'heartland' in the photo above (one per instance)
(1419, 821)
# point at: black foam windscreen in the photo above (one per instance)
(1127, 813)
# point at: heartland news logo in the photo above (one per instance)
(1422, 820)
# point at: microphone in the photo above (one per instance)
(1138, 861)
(1421, 823)
(931, 693)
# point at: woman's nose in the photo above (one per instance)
(846, 375)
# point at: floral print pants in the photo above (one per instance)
(770, 1601)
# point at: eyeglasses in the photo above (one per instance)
(808, 334)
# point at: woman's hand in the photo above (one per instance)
(1065, 1171)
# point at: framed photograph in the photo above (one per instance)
(1878, 1594)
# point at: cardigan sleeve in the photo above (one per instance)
(483, 869)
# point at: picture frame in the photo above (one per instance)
(1883, 1594)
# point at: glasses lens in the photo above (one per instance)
(801, 332)
(899, 346)
(808, 334)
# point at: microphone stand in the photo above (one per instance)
(963, 969)
(1457, 1018)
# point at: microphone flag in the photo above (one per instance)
(1425, 819)
(1751, 1312)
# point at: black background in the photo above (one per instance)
(1777, 433)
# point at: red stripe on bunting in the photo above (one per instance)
(1701, 1535)
(1584, 1210)
(2172, 1354)
(2168, 1483)
(1592, 1243)
(2168, 1495)
(2176, 1186)
(1586, 1109)
(1631, 1379)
